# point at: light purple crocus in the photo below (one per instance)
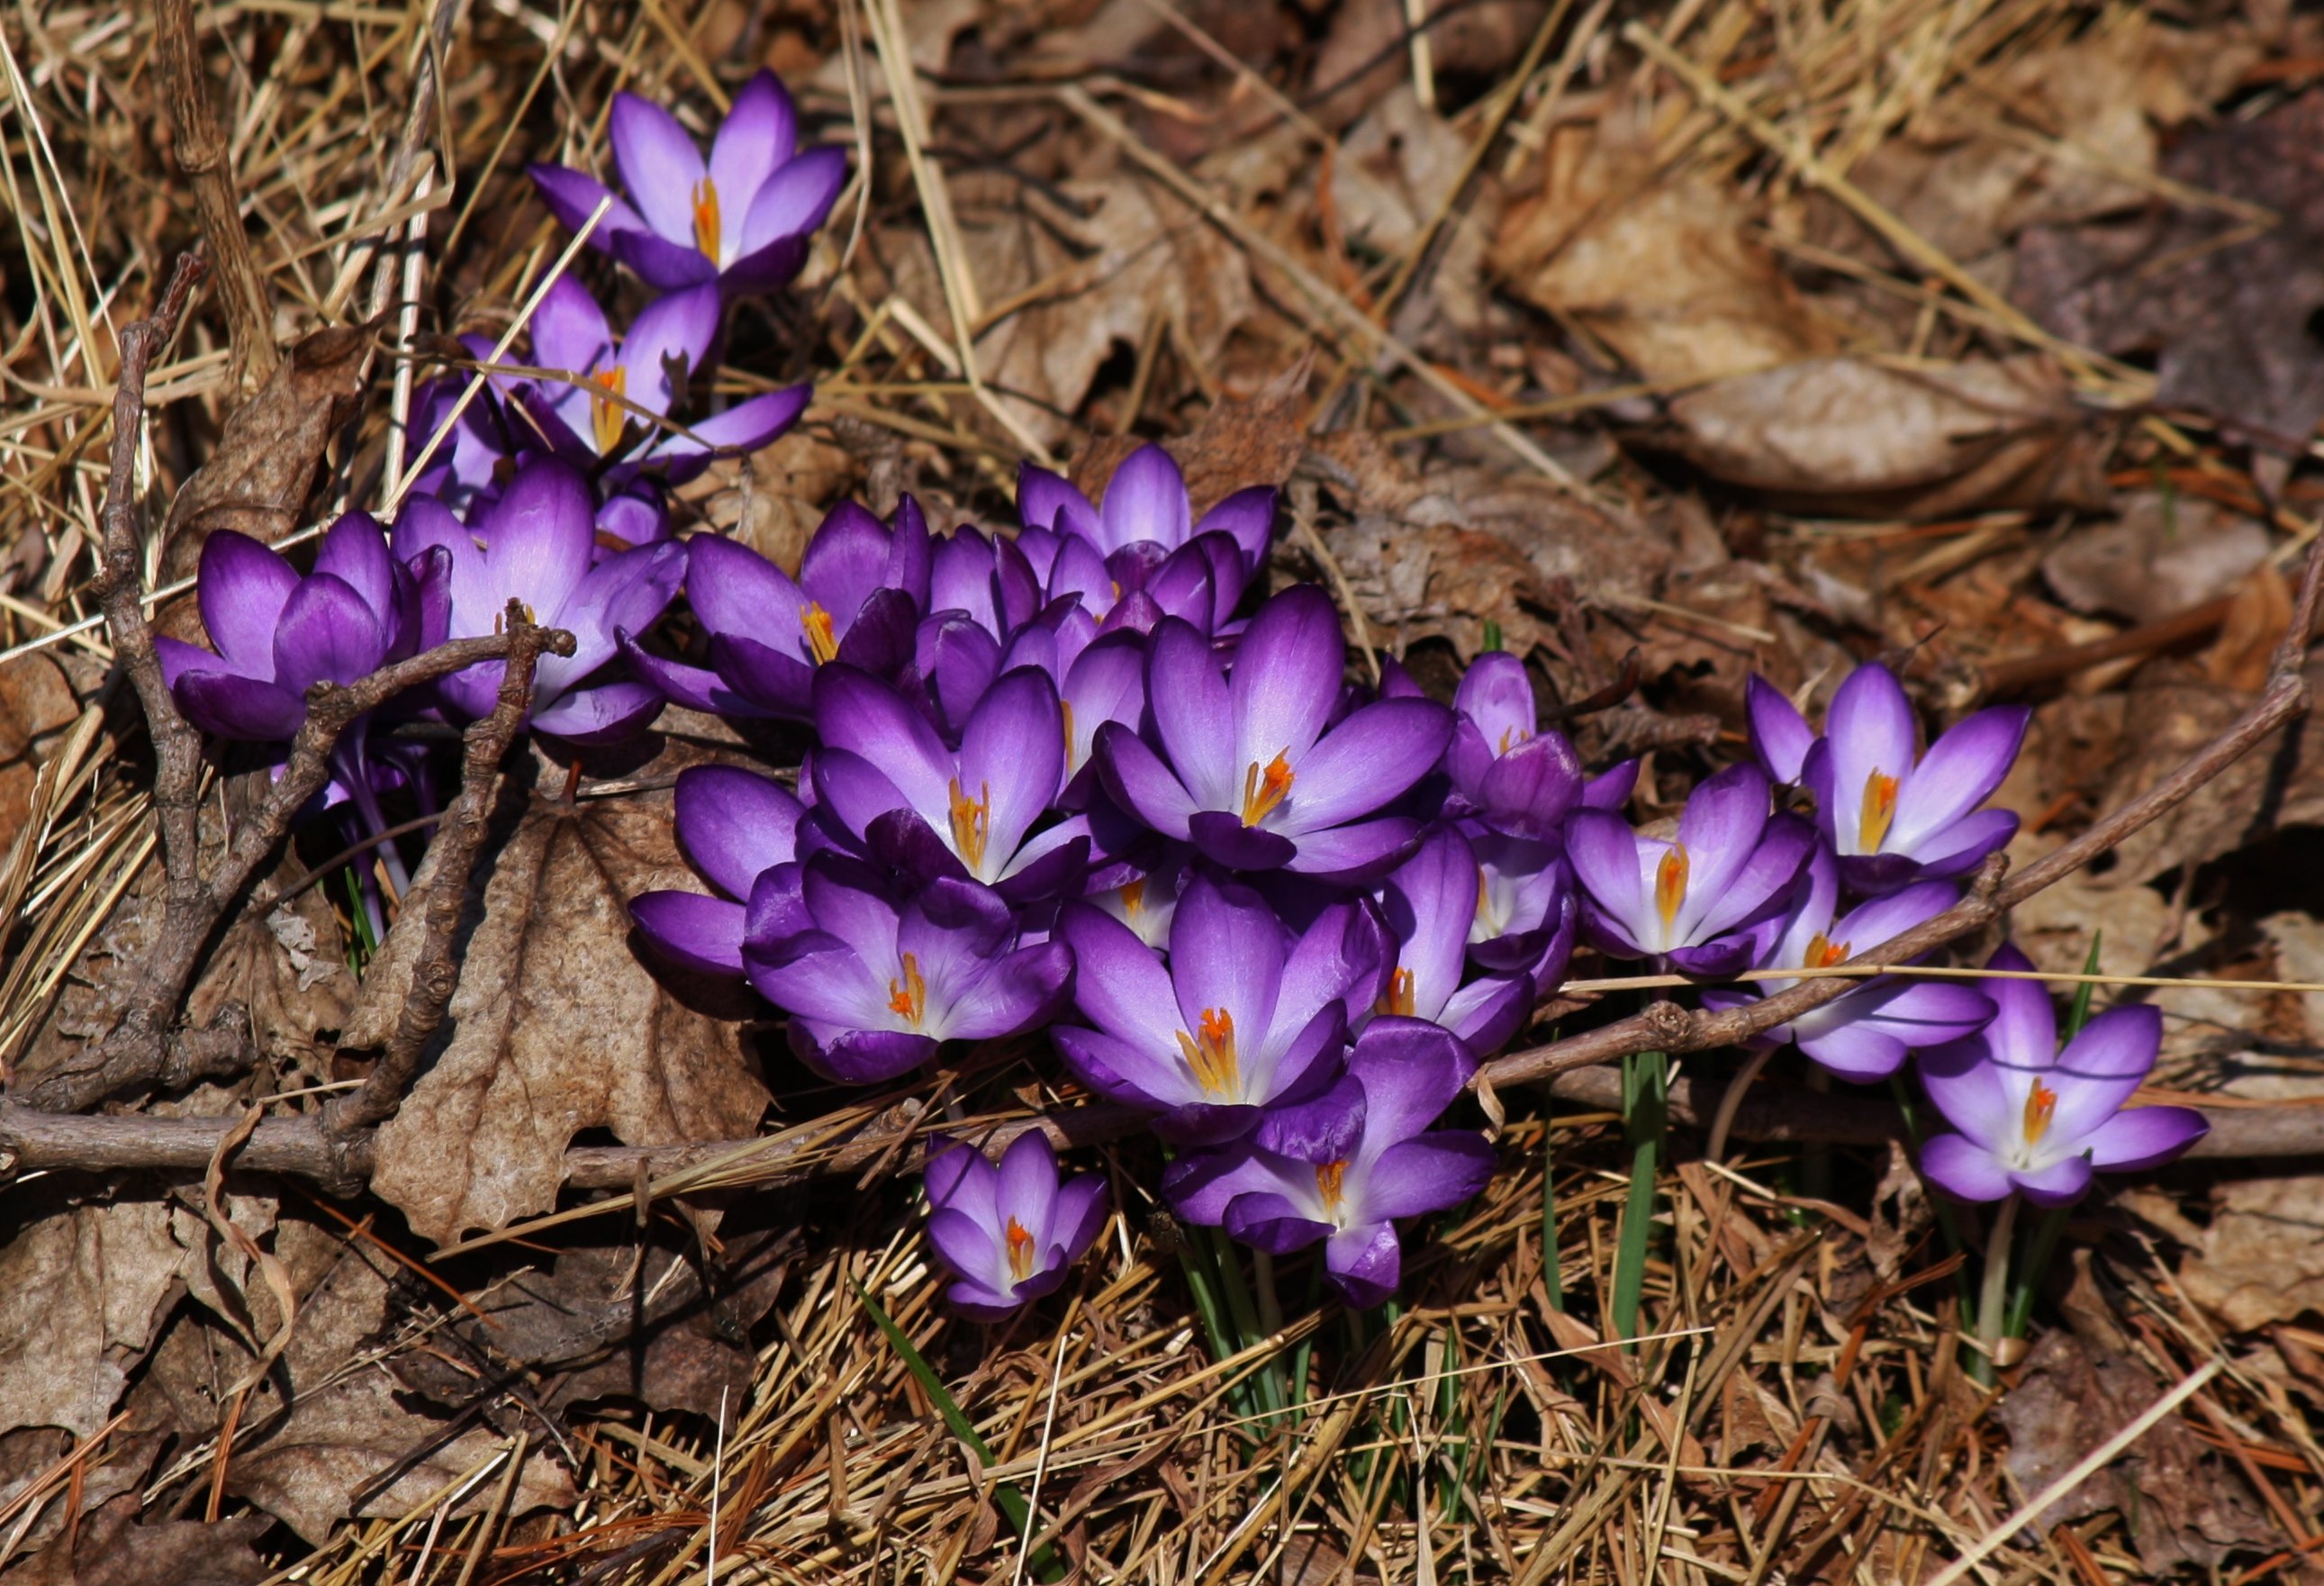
(2036, 1120)
(1341, 1169)
(1865, 1033)
(1690, 903)
(875, 984)
(740, 220)
(884, 775)
(1527, 912)
(1893, 815)
(533, 544)
(1429, 906)
(1252, 778)
(861, 586)
(650, 369)
(1506, 772)
(1007, 1233)
(1239, 1019)
(1146, 513)
(735, 826)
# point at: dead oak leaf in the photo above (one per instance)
(82, 1289)
(554, 1027)
(110, 1547)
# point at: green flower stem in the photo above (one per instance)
(1992, 1301)
(1646, 1119)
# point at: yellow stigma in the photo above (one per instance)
(1211, 1053)
(607, 419)
(1020, 1251)
(1133, 898)
(1512, 732)
(821, 641)
(1262, 790)
(1670, 884)
(1399, 998)
(1879, 810)
(706, 217)
(1328, 1177)
(2040, 1104)
(1823, 955)
(908, 994)
(972, 823)
(1066, 709)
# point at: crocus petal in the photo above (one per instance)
(695, 688)
(1721, 829)
(243, 589)
(2023, 1035)
(1869, 732)
(959, 1179)
(2056, 1183)
(2140, 1137)
(1146, 499)
(1274, 1223)
(2102, 1067)
(1226, 953)
(761, 132)
(795, 200)
(856, 712)
(1078, 1216)
(665, 345)
(1049, 501)
(1963, 1081)
(1411, 1072)
(1226, 842)
(611, 712)
(1012, 757)
(1028, 1183)
(569, 332)
(1353, 856)
(1195, 716)
(704, 934)
(658, 163)
(1120, 984)
(1959, 772)
(1855, 1051)
(735, 590)
(572, 197)
(1140, 783)
(1955, 850)
(1285, 679)
(1325, 1128)
(1780, 735)
(1757, 891)
(733, 823)
(816, 975)
(1248, 518)
(234, 706)
(538, 539)
(1201, 1184)
(1605, 856)
(327, 634)
(1485, 1012)
(661, 263)
(355, 551)
(1365, 1264)
(1023, 989)
(745, 426)
(1431, 1173)
(858, 1056)
(1121, 1071)
(1962, 1169)
(963, 1242)
(1368, 761)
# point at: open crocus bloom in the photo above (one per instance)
(741, 219)
(875, 985)
(858, 594)
(1146, 512)
(1253, 779)
(1895, 816)
(1007, 1233)
(2038, 1120)
(586, 420)
(885, 775)
(1429, 904)
(735, 826)
(533, 545)
(1343, 1167)
(1691, 902)
(1236, 1021)
(1864, 1034)
(1505, 772)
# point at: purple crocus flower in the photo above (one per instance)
(1253, 779)
(533, 544)
(876, 983)
(1894, 816)
(1689, 902)
(1429, 904)
(1865, 1033)
(2038, 1120)
(1505, 771)
(1527, 911)
(651, 368)
(1007, 1233)
(1146, 513)
(1341, 1169)
(858, 594)
(1238, 1020)
(884, 775)
(985, 578)
(1099, 678)
(741, 219)
(735, 826)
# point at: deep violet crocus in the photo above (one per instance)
(1691, 902)
(597, 417)
(1240, 1018)
(1893, 815)
(1253, 779)
(1505, 770)
(876, 982)
(1145, 513)
(533, 544)
(884, 775)
(1865, 1033)
(1429, 904)
(1341, 1169)
(740, 220)
(861, 586)
(735, 826)
(1008, 1234)
(2038, 1121)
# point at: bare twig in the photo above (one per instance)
(203, 155)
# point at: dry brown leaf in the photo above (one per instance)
(35, 700)
(774, 505)
(1241, 442)
(82, 1289)
(2162, 554)
(1365, 53)
(2262, 1258)
(556, 1026)
(1390, 178)
(1849, 437)
(111, 1547)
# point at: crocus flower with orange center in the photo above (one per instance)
(1007, 1234)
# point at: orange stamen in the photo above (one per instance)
(1399, 997)
(1328, 1177)
(1210, 1056)
(821, 642)
(1823, 955)
(607, 419)
(1133, 898)
(972, 823)
(1020, 1251)
(2040, 1102)
(1066, 709)
(1513, 732)
(1670, 884)
(1878, 812)
(908, 995)
(706, 217)
(1262, 790)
